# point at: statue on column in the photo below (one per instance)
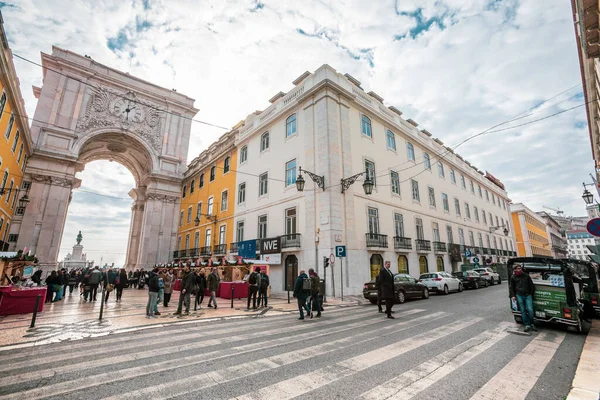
(79, 238)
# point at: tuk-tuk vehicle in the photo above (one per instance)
(588, 275)
(556, 296)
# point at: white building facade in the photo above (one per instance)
(578, 241)
(428, 205)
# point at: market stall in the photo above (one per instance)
(16, 300)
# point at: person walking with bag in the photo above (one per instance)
(315, 304)
(121, 283)
(263, 288)
(95, 279)
(386, 282)
(110, 279)
(168, 280)
(301, 292)
(213, 285)
(152, 293)
(253, 284)
(201, 286)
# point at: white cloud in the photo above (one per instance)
(457, 67)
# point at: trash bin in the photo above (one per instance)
(321, 287)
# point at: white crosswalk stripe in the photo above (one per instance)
(174, 388)
(302, 384)
(348, 346)
(530, 363)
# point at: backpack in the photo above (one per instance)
(264, 282)
(161, 283)
(306, 284)
(314, 281)
(252, 279)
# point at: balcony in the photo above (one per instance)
(193, 252)
(176, 254)
(376, 240)
(439, 247)
(402, 243)
(291, 240)
(233, 247)
(205, 251)
(221, 249)
(423, 245)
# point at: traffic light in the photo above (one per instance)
(325, 262)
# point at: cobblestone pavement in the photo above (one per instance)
(72, 318)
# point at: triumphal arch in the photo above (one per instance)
(87, 111)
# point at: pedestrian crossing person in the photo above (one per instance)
(315, 303)
(152, 292)
(386, 282)
(521, 290)
(302, 292)
(263, 288)
(212, 281)
(253, 286)
(187, 286)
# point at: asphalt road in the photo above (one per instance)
(446, 347)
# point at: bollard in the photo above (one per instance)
(33, 317)
(232, 296)
(288, 288)
(102, 305)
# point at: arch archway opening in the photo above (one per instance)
(101, 209)
(376, 263)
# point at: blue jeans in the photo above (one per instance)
(526, 307)
(161, 293)
(303, 306)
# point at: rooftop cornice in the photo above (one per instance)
(299, 79)
(276, 97)
(353, 79)
(412, 122)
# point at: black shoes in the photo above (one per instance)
(391, 316)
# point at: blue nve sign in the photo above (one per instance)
(247, 249)
(593, 227)
(340, 251)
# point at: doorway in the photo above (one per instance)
(291, 271)
(376, 265)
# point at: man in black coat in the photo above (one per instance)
(187, 285)
(386, 285)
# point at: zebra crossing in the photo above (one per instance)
(349, 353)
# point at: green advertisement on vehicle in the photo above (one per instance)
(549, 300)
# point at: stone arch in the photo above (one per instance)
(376, 263)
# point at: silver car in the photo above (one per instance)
(489, 275)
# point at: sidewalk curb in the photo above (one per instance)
(586, 385)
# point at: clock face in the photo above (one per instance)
(127, 110)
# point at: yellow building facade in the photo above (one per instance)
(208, 203)
(15, 143)
(530, 232)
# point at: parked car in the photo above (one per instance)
(441, 282)
(489, 275)
(405, 287)
(470, 279)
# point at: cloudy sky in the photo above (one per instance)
(457, 67)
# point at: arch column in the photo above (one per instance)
(135, 227)
(45, 216)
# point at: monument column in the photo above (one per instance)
(135, 228)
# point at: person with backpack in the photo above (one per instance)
(153, 289)
(253, 282)
(201, 286)
(302, 290)
(314, 293)
(262, 289)
(95, 279)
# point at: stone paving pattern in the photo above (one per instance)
(73, 318)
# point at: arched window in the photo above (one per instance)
(290, 125)
(14, 146)
(2, 105)
(264, 141)
(402, 265)
(427, 161)
(391, 140)
(376, 265)
(423, 265)
(410, 149)
(440, 264)
(243, 154)
(226, 165)
(366, 126)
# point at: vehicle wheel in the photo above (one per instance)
(476, 285)
(401, 297)
(486, 283)
(445, 290)
(460, 287)
(425, 294)
(518, 319)
(373, 301)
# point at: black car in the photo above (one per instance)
(470, 279)
(405, 287)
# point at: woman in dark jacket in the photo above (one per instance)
(201, 285)
(53, 283)
(121, 284)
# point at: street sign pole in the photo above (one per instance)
(342, 277)
(331, 262)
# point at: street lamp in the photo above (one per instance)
(587, 196)
(24, 201)
(495, 228)
(367, 184)
(318, 179)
